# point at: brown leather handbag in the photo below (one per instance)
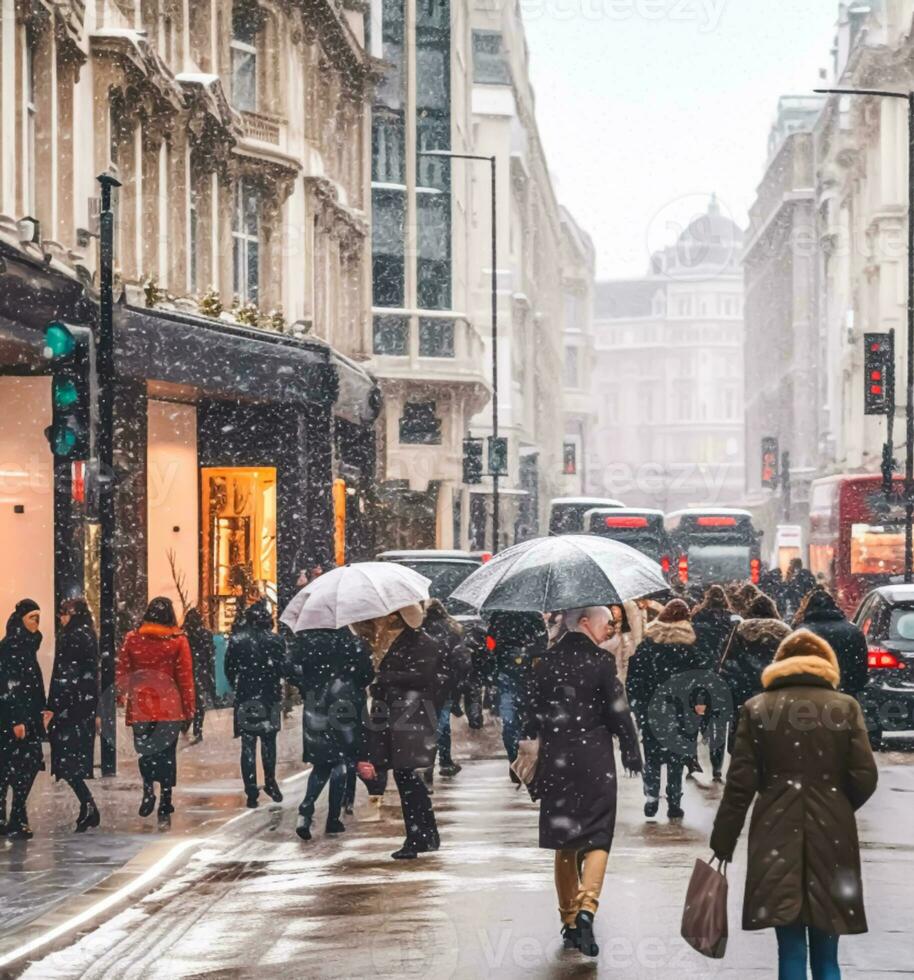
(704, 918)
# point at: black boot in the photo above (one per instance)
(408, 852)
(251, 794)
(335, 826)
(571, 938)
(148, 803)
(586, 943)
(88, 817)
(271, 788)
(303, 829)
(165, 809)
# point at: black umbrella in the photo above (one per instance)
(564, 572)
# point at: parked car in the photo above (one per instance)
(886, 617)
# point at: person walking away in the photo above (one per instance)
(155, 680)
(203, 653)
(332, 670)
(518, 639)
(821, 614)
(456, 668)
(255, 666)
(771, 584)
(715, 626)
(802, 753)
(576, 708)
(800, 582)
(73, 697)
(662, 689)
(402, 732)
(23, 713)
(753, 648)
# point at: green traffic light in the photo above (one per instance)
(58, 341)
(65, 393)
(62, 439)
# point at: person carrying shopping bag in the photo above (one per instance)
(803, 755)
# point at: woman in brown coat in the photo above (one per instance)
(803, 748)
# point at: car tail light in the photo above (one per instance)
(716, 522)
(755, 570)
(683, 568)
(485, 557)
(879, 659)
(626, 522)
(665, 564)
(490, 643)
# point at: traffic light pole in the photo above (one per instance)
(909, 353)
(105, 448)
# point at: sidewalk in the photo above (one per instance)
(40, 875)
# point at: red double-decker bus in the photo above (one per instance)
(856, 535)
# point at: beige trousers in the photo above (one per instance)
(578, 882)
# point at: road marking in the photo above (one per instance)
(149, 875)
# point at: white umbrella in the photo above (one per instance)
(353, 593)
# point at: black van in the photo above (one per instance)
(641, 529)
(714, 545)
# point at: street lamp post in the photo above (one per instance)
(495, 472)
(909, 407)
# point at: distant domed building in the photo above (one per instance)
(670, 373)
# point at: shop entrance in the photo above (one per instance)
(239, 539)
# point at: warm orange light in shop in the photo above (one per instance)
(339, 521)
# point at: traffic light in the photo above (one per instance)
(498, 455)
(878, 362)
(472, 461)
(769, 462)
(68, 348)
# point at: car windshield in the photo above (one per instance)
(902, 625)
(445, 576)
(718, 562)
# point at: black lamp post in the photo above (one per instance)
(495, 471)
(909, 408)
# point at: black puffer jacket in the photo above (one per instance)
(824, 618)
(332, 669)
(73, 697)
(751, 651)
(22, 697)
(255, 666)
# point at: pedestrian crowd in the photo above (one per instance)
(724, 667)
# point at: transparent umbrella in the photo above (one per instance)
(353, 593)
(563, 572)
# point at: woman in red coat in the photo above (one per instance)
(155, 679)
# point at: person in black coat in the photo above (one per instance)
(73, 697)
(332, 670)
(457, 666)
(517, 639)
(203, 652)
(255, 666)
(23, 712)
(715, 623)
(575, 707)
(820, 614)
(754, 645)
(664, 687)
(402, 730)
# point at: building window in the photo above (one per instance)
(419, 425)
(436, 337)
(244, 57)
(570, 459)
(246, 241)
(391, 335)
(572, 368)
(490, 65)
(388, 246)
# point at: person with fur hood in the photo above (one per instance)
(662, 684)
(753, 648)
(802, 755)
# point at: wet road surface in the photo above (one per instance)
(254, 901)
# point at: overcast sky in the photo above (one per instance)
(647, 106)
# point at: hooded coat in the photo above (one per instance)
(576, 705)
(402, 732)
(824, 618)
(73, 697)
(663, 686)
(22, 697)
(803, 754)
(255, 664)
(332, 669)
(753, 648)
(155, 675)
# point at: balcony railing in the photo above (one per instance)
(264, 129)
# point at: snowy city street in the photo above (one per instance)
(249, 900)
